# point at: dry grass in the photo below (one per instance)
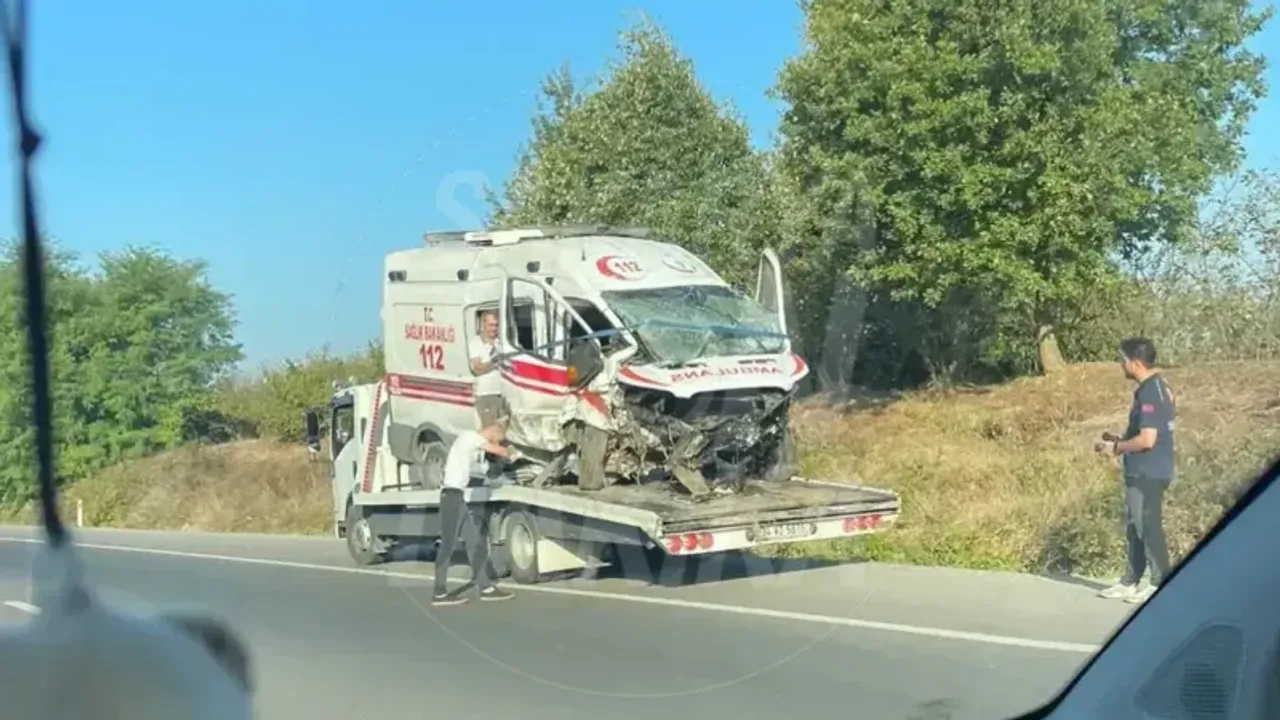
(998, 477)
(247, 486)
(1005, 477)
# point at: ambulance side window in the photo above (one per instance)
(475, 329)
(598, 322)
(522, 332)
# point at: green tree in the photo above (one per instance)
(271, 404)
(137, 349)
(163, 337)
(1007, 153)
(69, 312)
(649, 147)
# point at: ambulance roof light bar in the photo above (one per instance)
(494, 237)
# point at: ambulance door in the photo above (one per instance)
(537, 381)
(770, 292)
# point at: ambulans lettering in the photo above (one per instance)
(703, 373)
(430, 333)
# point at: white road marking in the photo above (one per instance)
(25, 607)
(935, 632)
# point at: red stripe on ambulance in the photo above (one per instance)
(635, 377)
(561, 391)
(418, 383)
(525, 370)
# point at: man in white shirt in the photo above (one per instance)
(484, 356)
(458, 521)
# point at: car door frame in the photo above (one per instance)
(769, 276)
(537, 389)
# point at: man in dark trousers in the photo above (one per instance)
(460, 522)
(1147, 452)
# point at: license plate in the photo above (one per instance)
(783, 531)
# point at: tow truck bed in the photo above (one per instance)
(761, 502)
(649, 515)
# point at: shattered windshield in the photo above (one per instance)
(688, 322)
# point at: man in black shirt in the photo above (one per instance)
(1147, 451)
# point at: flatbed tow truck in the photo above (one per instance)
(649, 400)
(539, 532)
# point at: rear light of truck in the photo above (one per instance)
(859, 523)
(689, 542)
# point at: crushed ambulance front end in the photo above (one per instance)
(712, 425)
(708, 398)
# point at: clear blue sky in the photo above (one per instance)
(292, 143)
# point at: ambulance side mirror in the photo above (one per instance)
(312, 421)
(585, 362)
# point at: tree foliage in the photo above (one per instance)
(271, 404)
(649, 147)
(137, 350)
(1007, 153)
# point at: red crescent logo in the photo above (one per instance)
(603, 266)
(619, 268)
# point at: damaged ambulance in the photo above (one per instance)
(620, 359)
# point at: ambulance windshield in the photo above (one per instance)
(681, 324)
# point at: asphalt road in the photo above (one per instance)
(873, 641)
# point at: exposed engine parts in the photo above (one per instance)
(713, 442)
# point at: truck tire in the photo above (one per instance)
(499, 569)
(365, 547)
(591, 455)
(431, 455)
(520, 547)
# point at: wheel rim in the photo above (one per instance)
(434, 466)
(520, 545)
(362, 535)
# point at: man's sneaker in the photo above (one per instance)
(493, 594)
(442, 599)
(1141, 596)
(1119, 591)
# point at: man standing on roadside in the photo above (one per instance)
(484, 361)
(1147, 452)
(460, 522)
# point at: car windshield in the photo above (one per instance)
(688, 322)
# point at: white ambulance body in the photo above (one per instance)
(620, 357)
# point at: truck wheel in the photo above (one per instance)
(365, 547)
(432, 455)
(520, 547)
(591, 455)
(498, 566)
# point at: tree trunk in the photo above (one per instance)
(1050, 354)
(843, 335)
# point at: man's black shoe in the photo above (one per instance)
(493, 594)
(441, 599)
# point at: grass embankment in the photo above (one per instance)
(245, 486)
(1000, 477)
(1005, 477)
